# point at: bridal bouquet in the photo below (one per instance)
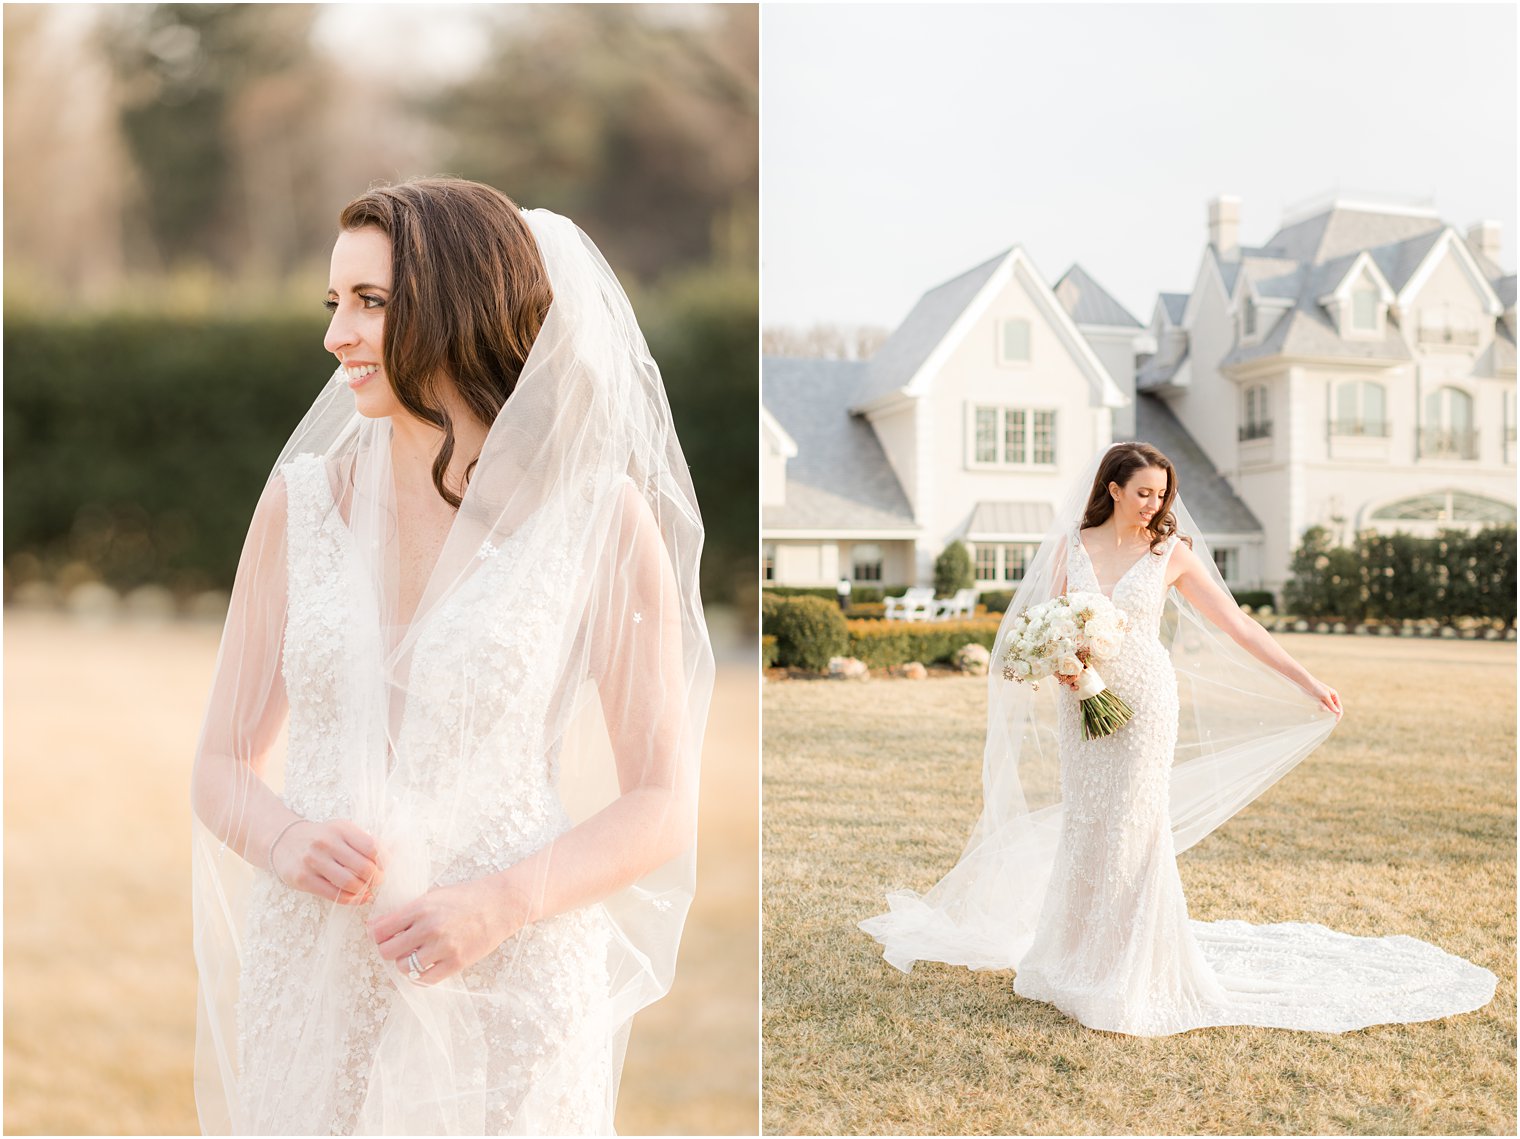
(1062, 637)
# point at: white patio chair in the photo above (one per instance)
(917, 604)
(963, 604)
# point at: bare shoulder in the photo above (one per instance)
(1182, 562)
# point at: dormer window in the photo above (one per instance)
(1013, 341)
(1248, 318)
(1364, 308)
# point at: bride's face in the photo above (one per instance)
(358, 289)
(1140, 498)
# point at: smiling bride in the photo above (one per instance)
(446, 784)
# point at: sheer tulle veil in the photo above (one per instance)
(580, 507)
(1242, 726)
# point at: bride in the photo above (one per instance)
(1071, 878)
(445, 789)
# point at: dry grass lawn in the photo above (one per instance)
(1403, 822)
(99, 979)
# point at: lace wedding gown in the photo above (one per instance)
(1114, 946)
(543, 992)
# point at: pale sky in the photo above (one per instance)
(903, 144)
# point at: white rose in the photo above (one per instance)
(1068, 666)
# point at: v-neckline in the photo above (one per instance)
(1086, 553)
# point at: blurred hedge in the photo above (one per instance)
(882, 644)
(136, 445)
(1401, 576)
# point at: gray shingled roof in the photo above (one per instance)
(840, 478)
(904, 352)
(1155, 372)
(1397, 260)
(1209, 498)
(1505, 287)
(1088, 302)
(1176, 304)
(996, 518)
(1338, 230)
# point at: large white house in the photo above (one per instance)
(1357, 370)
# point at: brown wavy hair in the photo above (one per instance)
(1120, 462)
(469, 293)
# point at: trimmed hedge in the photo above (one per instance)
(136, 445)
(952, 570)
(881, 644)
(859, 594)
(767, 651)
(808, 631)
(1255, 598)
(1404, 577)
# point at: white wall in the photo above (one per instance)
(972, 375)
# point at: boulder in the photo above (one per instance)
(848, 668)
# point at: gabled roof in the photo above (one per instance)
(1214, 506)
(1399, 259)
(840, 478)
(1176, 305)
(902, 354)
(912, 355)
(1088, 302)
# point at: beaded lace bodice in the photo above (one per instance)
(481, 798)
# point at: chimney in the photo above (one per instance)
(1224, 224)
(1483, 238)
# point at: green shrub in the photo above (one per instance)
(996, 600)
(808, 631)
(137, 445)
(1400, 576)
(882, 644)
(827, 592)
(1255, 598)
(952, 570)
(767, 651)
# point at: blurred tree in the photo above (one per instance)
(825, 341)
(199, 87)
(637, 121)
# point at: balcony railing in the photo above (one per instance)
(1259, 430)
(1376, 428)
(1447, 443)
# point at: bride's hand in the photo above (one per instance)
(335, 860)
(1328, 697)
(448, 928)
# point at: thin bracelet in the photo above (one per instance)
(276, 842)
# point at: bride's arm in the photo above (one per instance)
(1195, 584)
(636, 658)
(244, 715)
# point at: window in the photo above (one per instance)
(1013, 341)
(1258, 421)
(1044, 437)
(1227, 561)
(986, 562)
(1248, 318)
(1002, 562)
(986, 435)
(1359, 409)
(768, 562)
(1446, 506)
(1448, 431)
(1012, 436)
(865, 561)
(1509, 415)
(1364, 306)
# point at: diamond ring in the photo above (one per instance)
(414, 967)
